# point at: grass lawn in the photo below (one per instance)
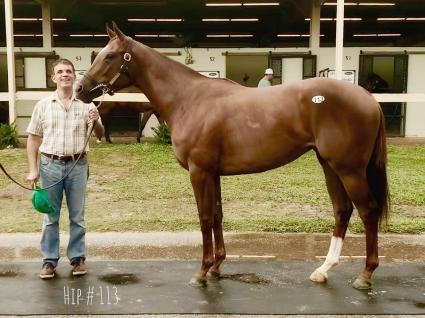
(140, 187)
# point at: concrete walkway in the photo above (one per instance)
(148, 273)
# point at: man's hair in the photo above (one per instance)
(63, 61)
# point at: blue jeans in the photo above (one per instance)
(74, 186)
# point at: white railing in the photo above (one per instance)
(138, 97)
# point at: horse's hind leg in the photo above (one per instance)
(359, 192)
(220, 251)
(343, 208)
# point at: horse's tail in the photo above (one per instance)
(377, 173)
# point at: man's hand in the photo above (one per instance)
(32, 177)
(93, 114)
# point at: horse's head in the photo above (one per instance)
(110, 70)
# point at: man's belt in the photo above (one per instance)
(64, 158)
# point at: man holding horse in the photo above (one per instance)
(58, 129)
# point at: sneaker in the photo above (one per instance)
(48, 271)
(79, 267)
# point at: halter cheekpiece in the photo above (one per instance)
(107, 88)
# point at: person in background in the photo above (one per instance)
(267, 79)
(58, 129)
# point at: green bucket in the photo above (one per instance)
(41, 202)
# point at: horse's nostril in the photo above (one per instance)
(79, 88)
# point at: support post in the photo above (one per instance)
(8, 9)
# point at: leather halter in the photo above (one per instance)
(107, 88)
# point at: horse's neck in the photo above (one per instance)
(165, 82)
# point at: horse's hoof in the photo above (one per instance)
(362, 283)
(318, 277)
(198, 282)
(98, 141)
(214, 275)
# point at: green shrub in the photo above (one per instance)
(8, 136)
(162, 134)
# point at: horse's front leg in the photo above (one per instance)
(219, 251)
(143, 121)
(204, 187)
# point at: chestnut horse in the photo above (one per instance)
(144, 108)
(221, 128)
(106, 109)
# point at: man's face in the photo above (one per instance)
(269, 77)
(63, 76)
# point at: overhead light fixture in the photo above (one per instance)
(27, 19)
(239, 4)
(376, 34)
(400, 19)
(389, 34)
(334, 19)
(31, 35)
(334, 3)
(234, 4)
(24, 35)
(155, 19)
(37, 19)
(361, 4)
(244, 20)
(391, 19)
(147, 35)
(230, 35)
(292, 35)
(218, 35)
(289, 35)
(215, 20)
(261, 3)
(169, 20)
(87, 35)
(230, 20)
(376, 4)
(42, 35)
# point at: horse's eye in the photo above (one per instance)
(109, 56)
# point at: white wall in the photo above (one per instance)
(292, 70)
(35, 72)
(415, 112)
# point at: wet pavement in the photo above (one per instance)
(254, 287)
(187, 246)
(148, 273)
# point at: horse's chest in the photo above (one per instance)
(181, 156)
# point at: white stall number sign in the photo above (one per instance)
(347, 75)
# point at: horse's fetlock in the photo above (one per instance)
(333, 261)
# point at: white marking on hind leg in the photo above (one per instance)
(320, 274)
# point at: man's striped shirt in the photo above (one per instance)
(63, 131)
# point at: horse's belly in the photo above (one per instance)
(261, 159)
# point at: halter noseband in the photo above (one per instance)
(107, 88)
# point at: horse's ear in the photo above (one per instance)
(118, 32)
(110, 32)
